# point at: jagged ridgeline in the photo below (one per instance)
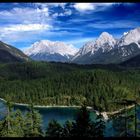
(107, 49)
(46, 83)
(104, 49)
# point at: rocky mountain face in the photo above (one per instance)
(106, 49)
(9, 53)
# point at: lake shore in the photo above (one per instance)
(104, 114)
(41, 106)
(107, 114)
(120, 110)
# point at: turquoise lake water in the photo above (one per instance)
(61, 115)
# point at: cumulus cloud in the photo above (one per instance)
(84, 6)
(89, 6)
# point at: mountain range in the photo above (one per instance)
(104, 50)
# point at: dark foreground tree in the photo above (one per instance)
(7, 127)
(33, 123)
(67, 129)
(54, 129)
(99, 126)
(19, 123)
(83, 125)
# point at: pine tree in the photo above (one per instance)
(19, 123)
(83, 127)
(54, 129)
(99, 126)
(7, 124)
(67, 129)
(33, 123)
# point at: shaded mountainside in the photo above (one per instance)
(9, 53)
(116, 55)
(50, 57)
(132, 62)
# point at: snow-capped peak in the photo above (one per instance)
(50, 47)
(125, 33)
(105, 35)
(105, 41)
(133, 36)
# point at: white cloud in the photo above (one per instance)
(20, 32)
(23, 15)
(114, 24)
(82, 7)
(62, 5)
(26, 27)
(44, 5)
(65, 13)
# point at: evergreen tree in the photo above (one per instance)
(33, 123)
(119, 125)
(67, 129)
(83, 127)
(7, 124)
(19, 123)
(54, 129)
(99, 126)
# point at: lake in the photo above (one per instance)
(62, 114)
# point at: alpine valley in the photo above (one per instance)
(100, 75)
(107, 68)
(70, 70)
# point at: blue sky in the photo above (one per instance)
(22, 24)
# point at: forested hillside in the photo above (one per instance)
(68, 84)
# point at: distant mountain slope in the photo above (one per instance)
(9, 53)
(51, 51)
